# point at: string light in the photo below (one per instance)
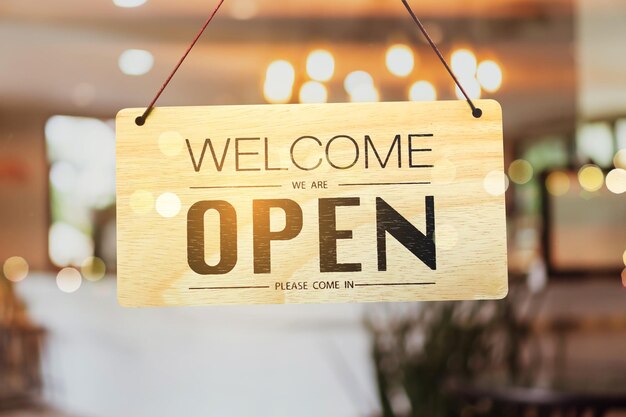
(313, 92)
(472, 88)
(464, 63)
(279, 79)
(356, 79)
(364, 94)
(400, 60)
(489, 76)
(422, 91)
(135, 62)
(320, 65)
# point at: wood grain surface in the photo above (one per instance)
(358, 202)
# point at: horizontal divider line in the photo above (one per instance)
(231, 288)
(394, 284)
(235, 186)
(385, 183)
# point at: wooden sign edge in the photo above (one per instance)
(503, 290)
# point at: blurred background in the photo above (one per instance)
(555, 346)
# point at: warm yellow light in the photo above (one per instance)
(489, 76)
(464, 63)
(624, 257)
(279, 79)
(93, 268)
(620, 159)
(356, 79)
(400, 60)
(364, 94)
(320, 65)
(616, 181)
(520, 171)
(422, 91)
(313, 92)
(590, 178)
(557, 183)
(472, 88)
(15, 268)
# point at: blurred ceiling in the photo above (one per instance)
(62, 56)
(167, 9)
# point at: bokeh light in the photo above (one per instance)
(520, 171)
(243, 9)
(313, 92)
(15, 268)
(141, 202)
(471, 86)
(557, 183)
(320, 65)
(136, 62)
(464, 63)
(616, 181)
(170, 143)
(68, 245)
(422, 91)
(356, 80)
(279, 79)
(590, 178)
(93, 268)
(129, 3)
(489, 75)
(69, 280)
(168, 205)
(364, 94)
(496, 183)
(400, 60)
(619, 160)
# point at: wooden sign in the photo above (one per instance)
(310, 204)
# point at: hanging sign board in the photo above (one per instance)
(310, 204)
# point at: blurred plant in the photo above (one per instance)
(419, 351)
(20, 350)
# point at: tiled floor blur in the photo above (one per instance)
(33, 412)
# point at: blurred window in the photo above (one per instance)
(594, 142)
(81, 154)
